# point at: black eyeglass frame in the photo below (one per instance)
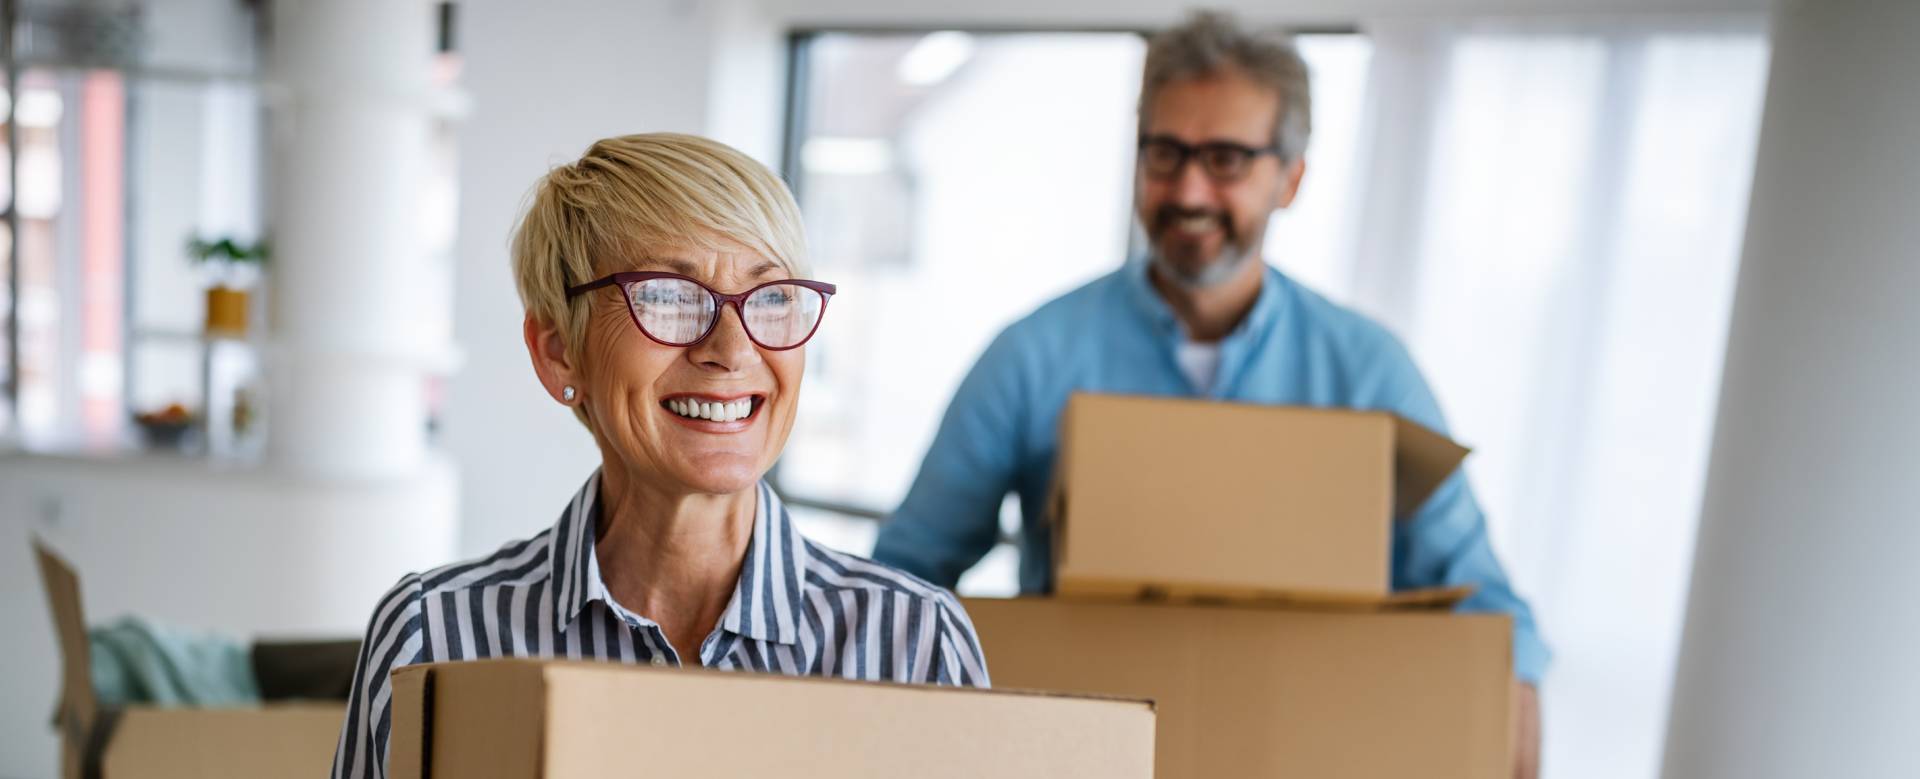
(1190, 152)
(625, 279)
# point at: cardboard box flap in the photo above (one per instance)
(79, 709)
(1422, 460)
(1436, 598)
(1424, 599)
(160, 742)
(409, 725)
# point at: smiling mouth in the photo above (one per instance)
(1197, 225)
(1182, 223)
(712, 409)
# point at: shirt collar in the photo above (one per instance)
(766, 598)
(1147, 300)
(1237, 349)
(766, 601)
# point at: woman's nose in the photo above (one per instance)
(727, 348)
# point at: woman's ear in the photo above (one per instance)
(547, 347)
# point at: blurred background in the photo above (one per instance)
(262, 352)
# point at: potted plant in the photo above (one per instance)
(235, 264)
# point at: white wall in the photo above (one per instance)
(1802, 627)
(545, 82)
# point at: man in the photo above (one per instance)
(1224, 120)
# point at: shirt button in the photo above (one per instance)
(659, 660)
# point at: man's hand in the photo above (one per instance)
(1526, 731)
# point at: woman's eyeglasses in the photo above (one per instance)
(674, 310)
(1162, 157)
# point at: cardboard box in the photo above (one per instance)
(144, 742)
(522, 719)
(1277, 693)
(1185, 498)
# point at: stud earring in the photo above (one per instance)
(566, 394)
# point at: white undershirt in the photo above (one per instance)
(1200, 362)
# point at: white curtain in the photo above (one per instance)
(1550, 216)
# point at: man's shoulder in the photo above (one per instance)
(1341, 325)
(1067, 314)
(1050, 343)
(1372, 363)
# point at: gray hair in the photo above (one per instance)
(1212, 42)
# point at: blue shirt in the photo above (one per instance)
(798, 609)
(1117, 335)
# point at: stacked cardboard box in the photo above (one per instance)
(1258, 538)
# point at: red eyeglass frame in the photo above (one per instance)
(720, 301)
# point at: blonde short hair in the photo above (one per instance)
(585, 219)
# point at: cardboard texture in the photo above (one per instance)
(1181, 498)
(143, 742)
(549, 719)
(1275, 693)
(1426, 599)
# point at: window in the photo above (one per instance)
(118, 166)
(139, 135)
(952, 182)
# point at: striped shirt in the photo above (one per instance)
(798, 608)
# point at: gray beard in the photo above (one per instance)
(1229, 264)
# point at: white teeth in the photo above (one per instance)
(718, 412)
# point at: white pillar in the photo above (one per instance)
(351, 97)
(1804, 625)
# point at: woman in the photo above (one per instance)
(660, 277)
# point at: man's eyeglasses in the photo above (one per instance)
(1163, 157)
(674, 310)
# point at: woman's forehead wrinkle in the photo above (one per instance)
(720, 265)
(674, 264)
